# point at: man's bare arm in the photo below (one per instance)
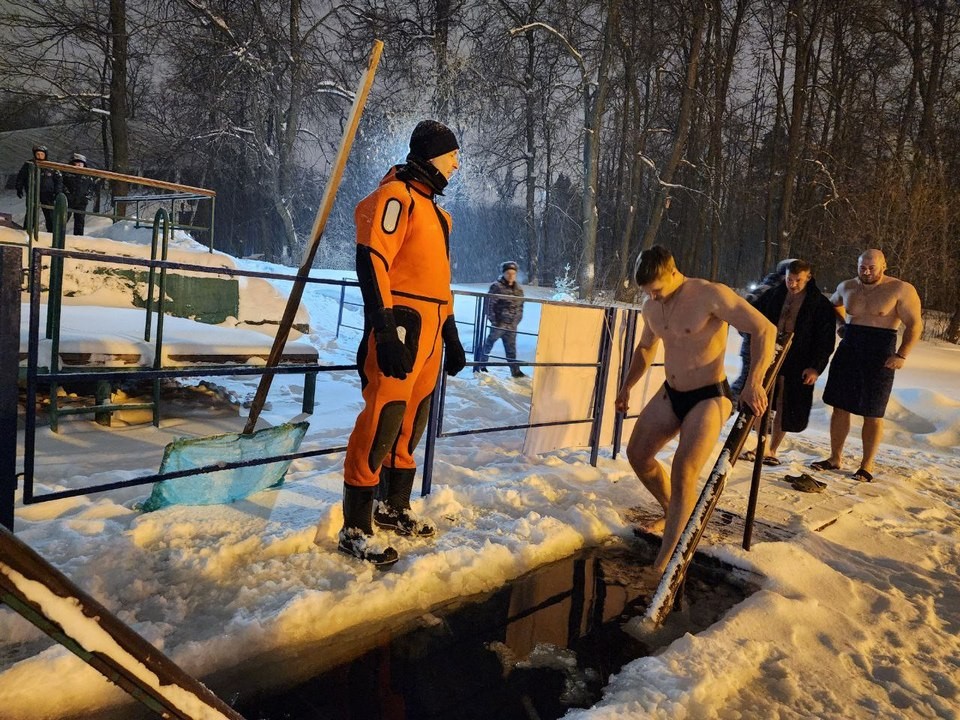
(838, 307)
(909, 312)
(736, 311)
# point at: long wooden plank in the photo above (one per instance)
(319, 223)
(675, 572)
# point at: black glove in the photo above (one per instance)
(455, 359)
(393, 357)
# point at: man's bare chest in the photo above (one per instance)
(874, 302)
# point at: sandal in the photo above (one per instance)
(824, 465)
(771, 460)
(805, 483)
(862, 475)
(749, 455)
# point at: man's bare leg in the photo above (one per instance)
(871, 434)
(776, 437)
(655, 426)
(698, 435)
(839, 429)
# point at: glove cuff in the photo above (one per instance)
(384, 324)
(449, 330)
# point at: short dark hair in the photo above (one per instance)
(799, 266)
(652, 263)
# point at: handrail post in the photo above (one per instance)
(343, 292)
(32, 219)
(433, 431)
(478, 323)
(763, 430)
(10, 263)
(55, 302)
(164, 219)
(151, 276)
(599, 394)
(213, 214)
(629, 336)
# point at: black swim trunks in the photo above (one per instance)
(683, 401)
(858, 381)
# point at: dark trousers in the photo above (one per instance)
(509, 338)
(47, 213)
(79, 216)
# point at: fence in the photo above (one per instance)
(36, 378)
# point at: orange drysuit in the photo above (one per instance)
(402, 263)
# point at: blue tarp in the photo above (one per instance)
(224, 486)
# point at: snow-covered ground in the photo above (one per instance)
(859, 620)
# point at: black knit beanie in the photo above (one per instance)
(432, 139)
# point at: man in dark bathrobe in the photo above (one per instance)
(797, 305)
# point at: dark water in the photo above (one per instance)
(544, 643)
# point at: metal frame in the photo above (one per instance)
(179, 191)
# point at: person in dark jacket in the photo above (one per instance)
(78, 189)
(51, 184)
(771, 280)
(504, 311)
(797, 305)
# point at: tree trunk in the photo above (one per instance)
(441, 34)
(594, 105)
(118, 97)
(804, 35)
(530, 110)
(683, 128)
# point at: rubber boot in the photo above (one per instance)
(356, 538)
(393, 509)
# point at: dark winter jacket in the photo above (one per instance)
(505, 312)
(770, 281)
(814, 336)
(78, 189)
(51, 183)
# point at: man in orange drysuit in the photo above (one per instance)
(403, 267)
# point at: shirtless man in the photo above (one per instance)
(690, 316)
(873, 306)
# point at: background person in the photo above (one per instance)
(874, 306)
(504, 310)
(771, 280)
(797, 305)
(51, 184)
(79, 189)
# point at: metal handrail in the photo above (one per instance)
(180, 190)
(157, 373)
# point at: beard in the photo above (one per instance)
(869, 282)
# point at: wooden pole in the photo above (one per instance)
(326, 206)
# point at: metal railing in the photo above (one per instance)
(178, 191)
(35, 378)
